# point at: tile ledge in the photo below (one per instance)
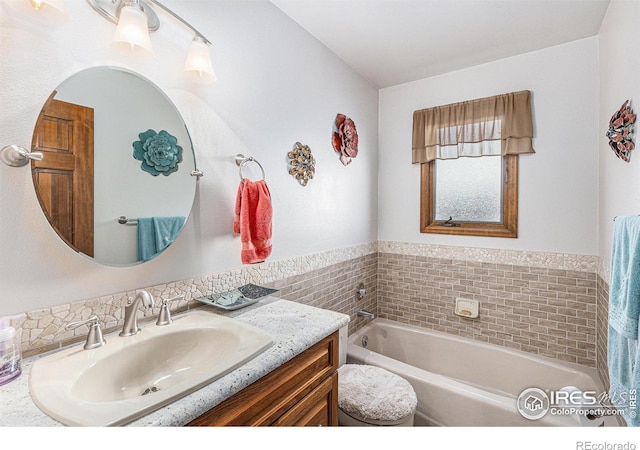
(549, 260)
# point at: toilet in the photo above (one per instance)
(372, 396)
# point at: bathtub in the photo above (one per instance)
(462, 382)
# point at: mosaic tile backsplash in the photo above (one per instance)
(43, 330)
(548, 304)
(560, 261)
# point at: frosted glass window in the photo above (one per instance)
(469, 189)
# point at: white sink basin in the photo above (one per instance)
(132, 376)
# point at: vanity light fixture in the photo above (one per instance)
(56, 4)
(199, 60)
(131, 29)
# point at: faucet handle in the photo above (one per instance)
(94, 338)
(164, 318)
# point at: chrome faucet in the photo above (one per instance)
(130, 326)
(164, 318)
(94, 338)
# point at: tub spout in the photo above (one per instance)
(362, 313)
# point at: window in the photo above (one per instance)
(469, 164)
(471, 196)
(469, 189)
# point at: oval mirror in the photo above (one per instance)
(116, 179)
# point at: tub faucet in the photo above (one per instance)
(362, 313)
(130, 326)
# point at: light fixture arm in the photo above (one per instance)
(131, 30)
(110, 9)
(180, 19)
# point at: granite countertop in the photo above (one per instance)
(294, 327)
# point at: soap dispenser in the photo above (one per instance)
(10, 357)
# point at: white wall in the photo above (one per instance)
(276, 85)
(619, 75)
(558, 189)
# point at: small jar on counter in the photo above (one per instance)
(10, 356)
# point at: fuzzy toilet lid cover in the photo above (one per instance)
(374, 393)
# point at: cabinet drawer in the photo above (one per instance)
(266, 400)
(319, 408)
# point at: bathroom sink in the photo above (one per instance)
(132, 376)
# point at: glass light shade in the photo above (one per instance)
(199, 61)
(37, 4)
(132, 29)
(56, 4)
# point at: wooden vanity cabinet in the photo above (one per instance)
(301, 392)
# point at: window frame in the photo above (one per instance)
(508, 228)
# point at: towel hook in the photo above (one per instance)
(241, 161)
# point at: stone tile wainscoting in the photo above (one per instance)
(544, 303)
(335, 287)
(548, 312)
(602, 330)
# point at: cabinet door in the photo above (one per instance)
(319, 408)
(275, 394)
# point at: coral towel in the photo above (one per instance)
(253, 220)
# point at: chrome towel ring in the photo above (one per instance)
(241, 161)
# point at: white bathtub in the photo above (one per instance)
(462, 382)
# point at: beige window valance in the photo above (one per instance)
(499, 125)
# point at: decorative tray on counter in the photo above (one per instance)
(237, 298)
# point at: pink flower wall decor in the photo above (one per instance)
(345, 139)
(619, 132)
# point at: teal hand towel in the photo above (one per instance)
(146, 239)
(157, 233)
(624, 314)
(166, 230)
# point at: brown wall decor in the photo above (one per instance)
(345, 139)
(619, 132)
(302, 165)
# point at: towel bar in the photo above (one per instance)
(614, 219)
(241, 161)
(124, 221)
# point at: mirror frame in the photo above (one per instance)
(177, 126)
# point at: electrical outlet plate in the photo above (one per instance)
(467, 308)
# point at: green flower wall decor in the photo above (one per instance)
(159, 152)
